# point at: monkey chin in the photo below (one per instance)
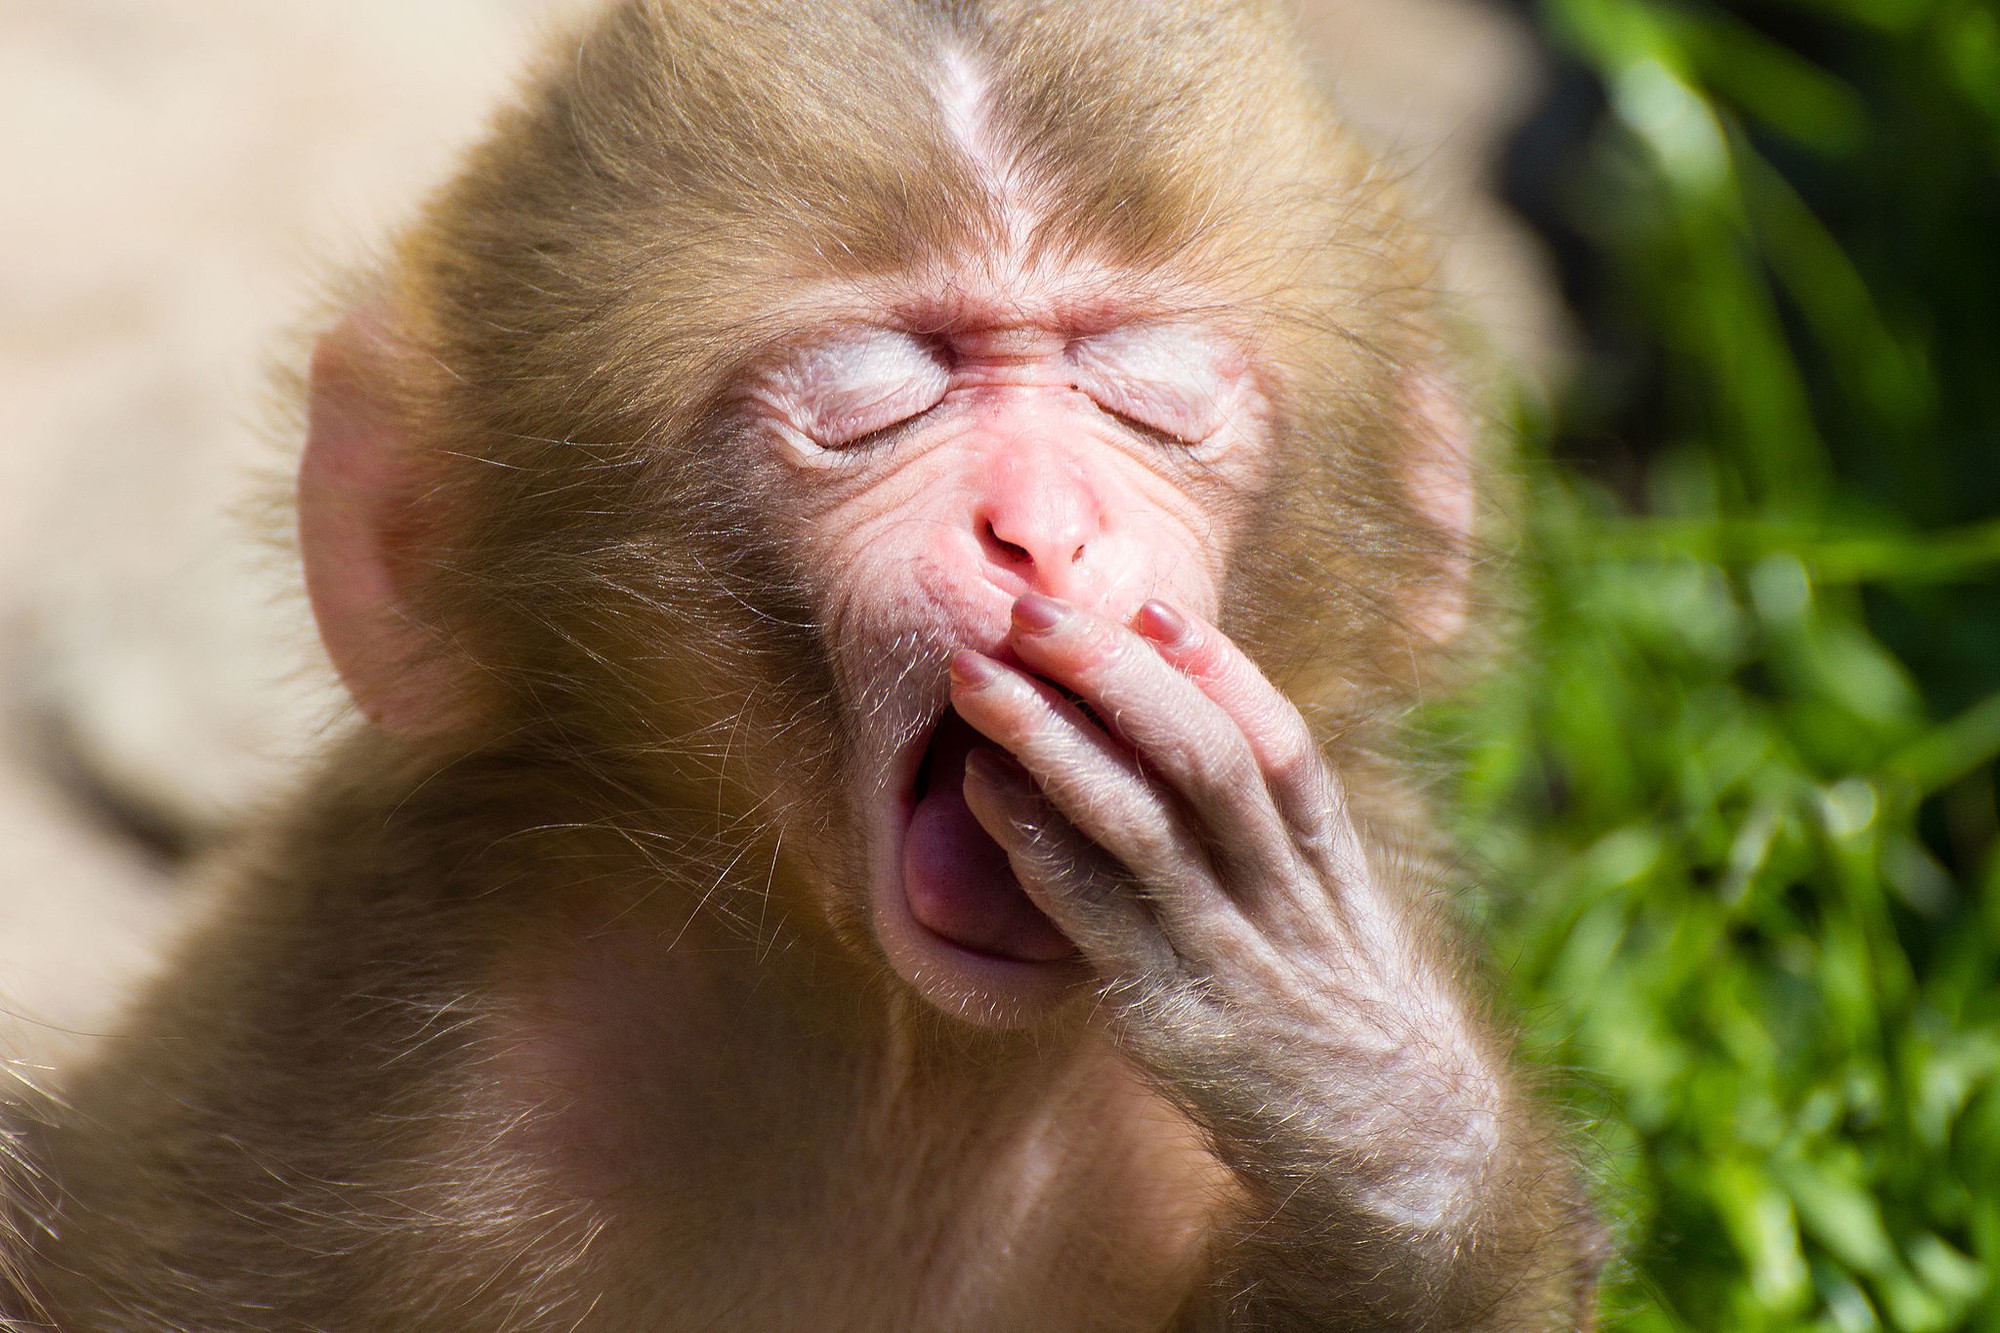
(949, 914)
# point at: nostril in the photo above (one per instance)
(1076, 556)
(1012, 553)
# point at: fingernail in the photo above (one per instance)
(1038, 614)
(1163, 625)
(973, 671)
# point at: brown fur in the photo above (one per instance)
(433, 1068)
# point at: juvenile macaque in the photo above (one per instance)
(879, 546)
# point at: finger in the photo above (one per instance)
(1093, 781)
(1287, 756)
(1091, 899)
(1185, 739)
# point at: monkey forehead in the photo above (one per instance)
(979, 288)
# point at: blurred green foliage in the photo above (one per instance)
(1740, 811)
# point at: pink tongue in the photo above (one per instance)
(956, 878)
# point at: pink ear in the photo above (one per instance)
(355, 485)
(1438, 471)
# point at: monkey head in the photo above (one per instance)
(715, 407)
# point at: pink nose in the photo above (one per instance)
(1039, 524)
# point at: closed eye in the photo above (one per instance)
(882, 437)
(859, 389)
(1145, 431)
(1168, 383)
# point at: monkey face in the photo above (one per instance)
(937, 467)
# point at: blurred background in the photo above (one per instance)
(1731, 817)
(1737, 820)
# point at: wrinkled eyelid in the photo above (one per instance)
(843, 392)
(1171, 381)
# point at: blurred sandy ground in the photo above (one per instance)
(175, 176)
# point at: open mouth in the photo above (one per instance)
(956, 879)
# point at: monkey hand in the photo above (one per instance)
(1171, 812)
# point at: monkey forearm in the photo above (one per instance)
(1490, 1233)
(1391, 1182)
